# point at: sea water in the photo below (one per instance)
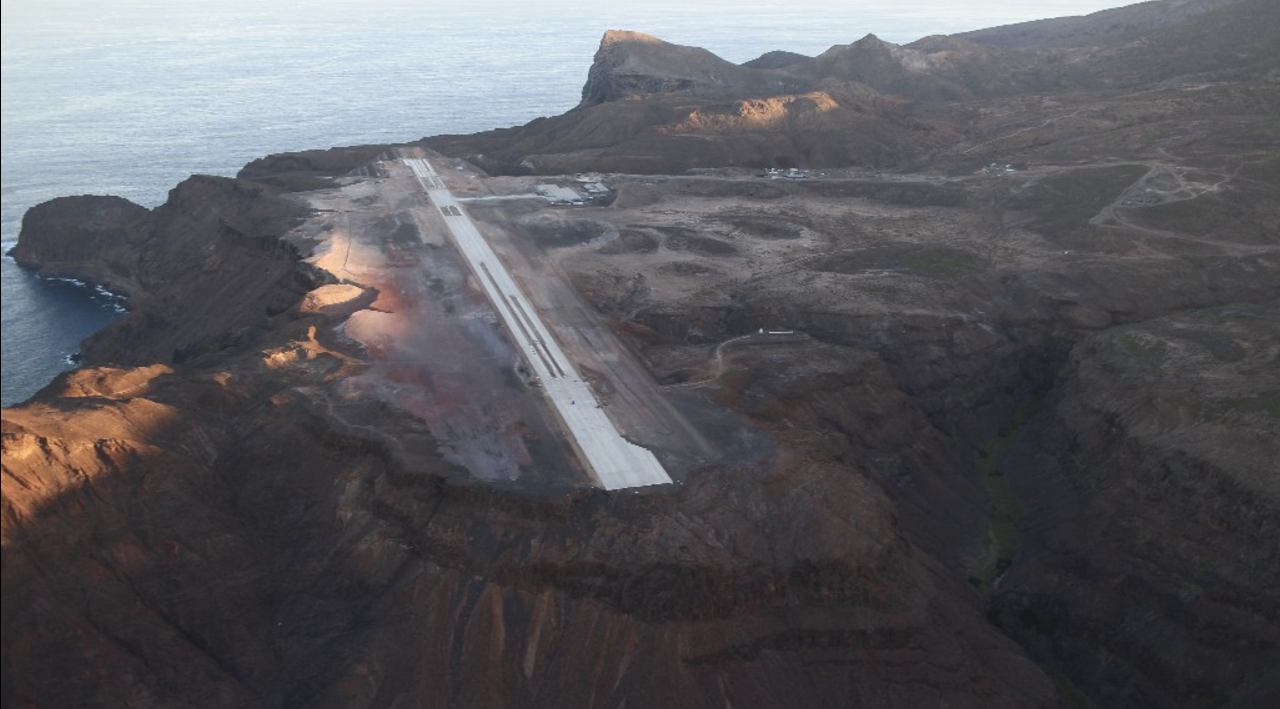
(129, 97)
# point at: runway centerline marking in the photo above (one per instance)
(613, 460)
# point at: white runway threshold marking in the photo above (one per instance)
(615, 462)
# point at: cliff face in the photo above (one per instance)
(247, 549)
(630, 64)
(204, 272)
(214, 529)
(1011, 443)
(1152, 492)
(94, 237)
(655, 108)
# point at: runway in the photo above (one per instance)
(615, 462)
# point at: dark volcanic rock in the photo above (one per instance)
(652, 107)
(632, 64)
(97, 238)
(309, 169)
(1153, 491)
(776, 60)
(1096, 28)
(1027, 420)
(934, 69)
(245, 550)
(204, 271)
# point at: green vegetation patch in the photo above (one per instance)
(1004, 510)
(1066, 202)
(925, 260)
(1266, 171)
(1067, 690)
(686, 268)
(767, 227)
(406, 232)
(1266, 403)
(1146, 348)
(902, 194)
(560, 233)
(631, 241)
(1241, 214)
(1218, 345)
(711, 188)
(681, 239)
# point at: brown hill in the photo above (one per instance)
(630, 64)
(652, 107)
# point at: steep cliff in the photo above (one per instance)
(204, 272)
(217, 537)
(991, 425)
(656, 108)
(217, 529)
(1151, 525)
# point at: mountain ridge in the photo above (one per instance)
(1098, 27)
(893, 102)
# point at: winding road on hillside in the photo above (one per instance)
(1113, 215)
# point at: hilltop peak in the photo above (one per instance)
(620, 36)
(631, 64)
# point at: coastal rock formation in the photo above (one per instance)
(204, 272)
(990, 378)
(319, 570)
(873, 103)
(632, 64)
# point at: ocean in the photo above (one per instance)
(129, 97)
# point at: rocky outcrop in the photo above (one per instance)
(250, 551)
(1152, 510)
(670, 133)
(309, 169)
(819, 112)
(97, 238)
(1173, 351)
(1021, 440)
(932, 69)
(214, 529)
(204, 272)
(632, 64)
(869, 103)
